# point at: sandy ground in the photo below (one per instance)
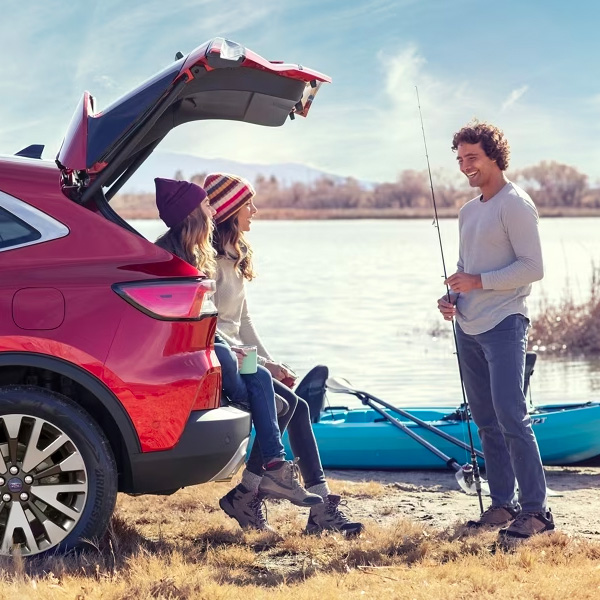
(434, 497)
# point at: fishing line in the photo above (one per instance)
(436, 224)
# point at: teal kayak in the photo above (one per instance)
(363, 439)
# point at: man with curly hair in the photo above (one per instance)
(499, 258)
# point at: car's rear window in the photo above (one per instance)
(14, 231)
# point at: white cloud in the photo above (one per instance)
(144, 33)
(104, 81)
(375, 132)
(365, 125)
(513, 97)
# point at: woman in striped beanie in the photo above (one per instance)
(232, 199)
(184, 207)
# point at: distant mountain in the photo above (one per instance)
(166, 164)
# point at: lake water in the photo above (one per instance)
(360, 297)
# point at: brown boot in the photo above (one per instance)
(281, 480)
(328, 516)
(525, 526)
(246, 508)
(495, 516)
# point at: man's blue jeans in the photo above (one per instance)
(256, 392)
(493, 365)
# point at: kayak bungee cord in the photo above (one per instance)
(474, 463)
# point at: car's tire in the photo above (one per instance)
(58, 478)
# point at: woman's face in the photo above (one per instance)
(245, 214)
(208, 210)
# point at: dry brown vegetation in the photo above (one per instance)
(183, 547)
(557, 189)
(569, 327)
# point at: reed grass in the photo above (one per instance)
(569, 327)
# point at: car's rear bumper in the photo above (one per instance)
(212, 447)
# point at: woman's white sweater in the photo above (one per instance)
(234, 323)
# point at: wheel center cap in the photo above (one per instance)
(15, 485)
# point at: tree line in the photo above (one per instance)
(550, 184)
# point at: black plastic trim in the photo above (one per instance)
(133, 165)
(209, 440)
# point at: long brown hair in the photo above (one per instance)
(191, 240)
(230, 242)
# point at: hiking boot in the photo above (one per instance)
(328, 516)
(280, 480)
(495, 516)
(246, 507)
(526, 525)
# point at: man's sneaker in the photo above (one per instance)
(246, 507)
(526, 525)
(328, 516)
(280, 480)
(495, 516)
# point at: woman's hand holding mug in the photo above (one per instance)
(247, 359)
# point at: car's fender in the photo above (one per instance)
(84, 378)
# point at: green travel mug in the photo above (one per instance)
(249, 364)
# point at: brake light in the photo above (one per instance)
(171, 300)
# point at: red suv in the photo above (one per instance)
(108, 378)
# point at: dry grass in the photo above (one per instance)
(182, 547)
(567, 326)
(142, 206)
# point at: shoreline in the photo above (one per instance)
(433, 497)
(291, 214)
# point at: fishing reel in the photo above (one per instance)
(466, 480)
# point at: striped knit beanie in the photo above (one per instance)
(227, 194)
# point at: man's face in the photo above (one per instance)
(476, 165)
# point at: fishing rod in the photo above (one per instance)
(474, 463)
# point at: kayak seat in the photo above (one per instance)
(530, 358)
(360, 416)
(312, 389)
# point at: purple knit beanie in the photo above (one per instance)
(175, 200)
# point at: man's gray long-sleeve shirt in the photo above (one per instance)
(499, 240)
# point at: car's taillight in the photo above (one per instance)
(170, 299)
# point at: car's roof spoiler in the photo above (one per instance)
(33, 151)
(218, 80)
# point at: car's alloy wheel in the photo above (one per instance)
(57, 474)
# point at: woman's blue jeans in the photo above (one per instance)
(493, 365)
(301, 436)
(256, 392)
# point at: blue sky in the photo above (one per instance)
(529, 66)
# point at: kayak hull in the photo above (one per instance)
(363, 439)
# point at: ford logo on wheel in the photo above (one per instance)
(15, 484)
